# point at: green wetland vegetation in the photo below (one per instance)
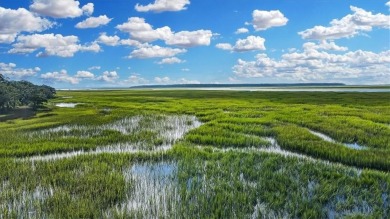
(199, 154)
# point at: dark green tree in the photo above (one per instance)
(23, 93)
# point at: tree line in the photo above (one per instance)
(23, 93)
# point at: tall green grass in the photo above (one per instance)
(327, 179)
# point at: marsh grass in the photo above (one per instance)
(278, 187)
(198, 154)
(152, 133)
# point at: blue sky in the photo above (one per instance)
(121, 43)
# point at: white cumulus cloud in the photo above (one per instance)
(162, 80)
(13, 22)
(250, 43)
(85, 74)
(163, 5)
(130, 42)
(318, 63)
(324, 45)
(241, 30)
(108, 40)
(92, 47)
(172, 60)
(224, 46)
(135, 79)
(61, 76)
(7, 38)
(144, 32)
(263, 20)
(155, 52)
(190, 38)
(10, 70)
(109, 76)
(59, 8)
(52, 45)
(348, 26)
(116, 41)
(88, 9)
(93, 22)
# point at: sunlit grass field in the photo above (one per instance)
(199, 154)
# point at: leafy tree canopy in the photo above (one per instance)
(23, 93)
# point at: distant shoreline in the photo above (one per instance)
(297, 87)
(237, 85)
